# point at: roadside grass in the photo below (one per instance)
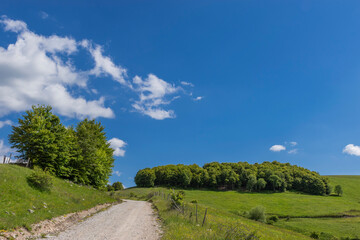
(219, 224)
(17, 197)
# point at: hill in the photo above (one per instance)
(335, 217)
(17, 197)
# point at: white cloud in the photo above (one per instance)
(103, 64)
(352, 149)
(33, 72)
(3, 149)
(293, 151)
(44, 15)
(198, 98)
(38, 69)
(117, 145)
(13, 25)
(187, 83)
(277, 148)
(153, 93)
(293, 143)
(117, 173)
(6, 122)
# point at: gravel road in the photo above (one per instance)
(128, 220)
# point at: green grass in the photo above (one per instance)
(220, 223)
(16, 197)
(308, 213)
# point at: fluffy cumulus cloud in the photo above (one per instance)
(153, 95)
(277, 148)
(33, 71)
(39, 69)
(352, 149)
(118, 145)
(6, 122)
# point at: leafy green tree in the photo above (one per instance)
(145, 178)
(260, 184)
(338, 190)
(275, 181)
(40, 138)
(97, 156)
(251, 183)
(117, 186)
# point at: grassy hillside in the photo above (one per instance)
(16, 197)
(220, 223)
(307, 213)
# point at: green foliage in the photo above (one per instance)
(96, 153)
(257, 214)
(40, 179)
(117, 186)
(177, 199)
(273, 176)
(145, 178)
(274, 218)
(338, 190)
(81, 155)
(315, 235)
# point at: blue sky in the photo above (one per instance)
(192, 81)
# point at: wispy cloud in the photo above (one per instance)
(117, 173)
(6, 122)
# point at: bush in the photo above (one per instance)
(194, 201)
(117, 186)
(177, 199)
(315, 235)
(274, 218)
(338, 190)
(257, 214)
(40, 179)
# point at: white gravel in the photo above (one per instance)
(128, 220)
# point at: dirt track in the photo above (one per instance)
(128, 220)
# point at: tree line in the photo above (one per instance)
(80, 154)
(267, 176)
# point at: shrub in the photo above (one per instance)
(315, 235)
(194, 201)
(177, 199)
(117, 186)
(257, 214)
(40, 179)
(274, 218)
(338, 190)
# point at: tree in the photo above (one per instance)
(261, 184)
(41, 139)
(251, 183)
(145, 178)
(275, 181)
(117, 186)
(97, 155)
(338, 190)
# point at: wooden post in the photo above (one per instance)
(10, 158)
(196, 214)
(4, 159)
(204, 217)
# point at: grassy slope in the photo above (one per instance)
(219, 220)
(338, 227)
(228, 205)
(16, 197)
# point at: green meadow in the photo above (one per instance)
(300, 214)
(17, 197)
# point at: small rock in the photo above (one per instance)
(31, 211)
(7, 212)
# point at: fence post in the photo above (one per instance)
(196, 213)
(10, 157)
(4, 159)
(204, 217)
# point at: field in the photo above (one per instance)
(299, 213)
(17, 197)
